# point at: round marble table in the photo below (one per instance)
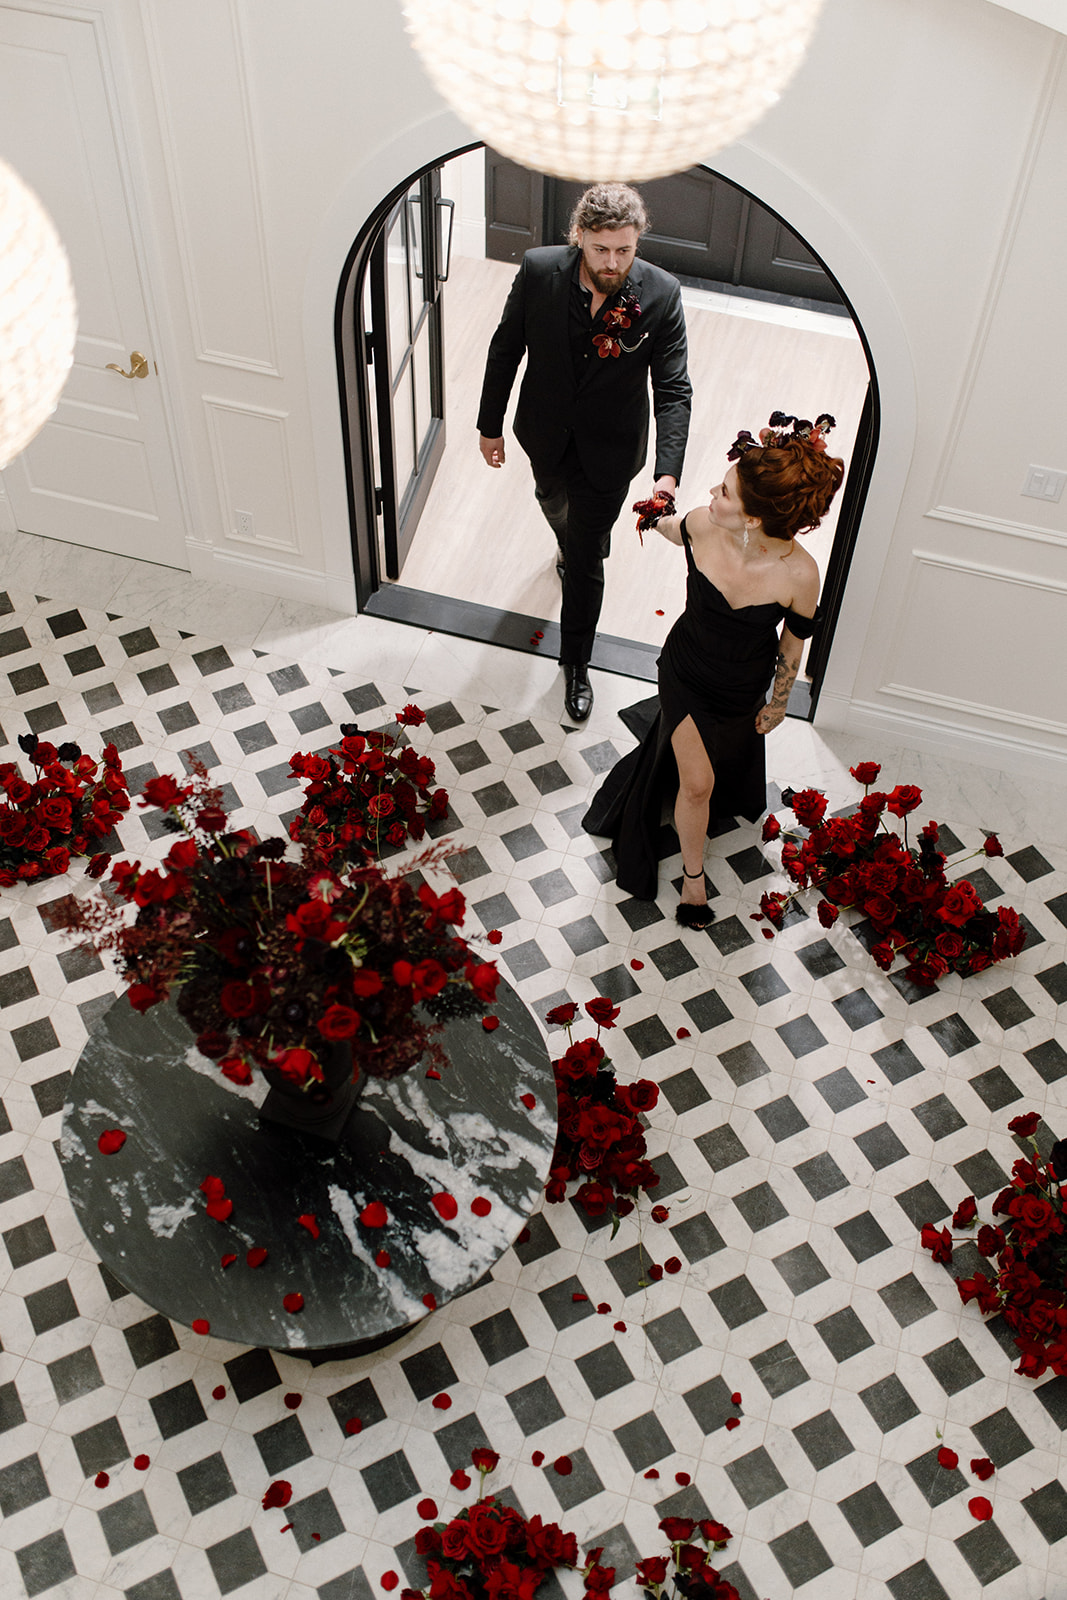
(467, 1135)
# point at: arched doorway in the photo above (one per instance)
(384, 484)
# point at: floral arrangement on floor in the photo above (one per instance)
(600, 1143)
(369, 792)
(688, 1566)
(276, 960)
(69, 805)
(858, 861)
(490, 1551)
(1028, 1287)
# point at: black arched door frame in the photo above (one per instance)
(354, 354)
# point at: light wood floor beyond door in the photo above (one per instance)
(482, 537)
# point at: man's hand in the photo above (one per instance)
(492, 450)
(668, 484)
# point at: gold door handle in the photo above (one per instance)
(138, 366)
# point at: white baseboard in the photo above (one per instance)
(1002, 751)
(337, 593)
(470, 237)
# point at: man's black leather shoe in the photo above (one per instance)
(577, 693)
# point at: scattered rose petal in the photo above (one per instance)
(481, 1206)
(219, 1209)
(310, 1223)
(528, 1100)
(429, 1300)
(219, 1392)
(293, 1302)
(292, 1401)
(537, 1457)
(101, 1480)
(390, 1579)
(213, 1188)
(285, 1527)
(494, 936)
(427, 1509)
(442, 1402)
(603, 1309)
(672, 1264)
(432, 1072)
(620, 1327)
(142, 1463)
(539, 634)
(228, 1259)
(382, 1259)
(659, 613)
(279, 1493)
(980, 1508)
(316, 1537)
(683, 1478)
(947, 1458)
(459, 1479)
(111, 1140)
(533, 638)
(577, 1297)
(563, 1465)
(256, 1256)
(445, 1205)
(201, 1325)
(489, 1023)
(660, 1213)
(354, 1425)
(652, 1472)
(683, 1033)
(735, 1398)
(768, 933)
(637, 966)
(523, 1237)
(733, 1422)
(983, 1468)
(374, 1215)
(655, 1272)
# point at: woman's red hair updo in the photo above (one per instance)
(788, 486)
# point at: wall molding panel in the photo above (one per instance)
(250, 451)
(197, 53)
(911, 729)
(1014, 530)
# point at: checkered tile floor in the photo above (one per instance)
(815, 1116)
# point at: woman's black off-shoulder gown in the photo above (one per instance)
(716, 667)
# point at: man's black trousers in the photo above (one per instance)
(582, 518)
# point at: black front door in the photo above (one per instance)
(409, 265)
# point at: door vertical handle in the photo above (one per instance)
(138, 366)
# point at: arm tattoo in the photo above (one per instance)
(784, 678)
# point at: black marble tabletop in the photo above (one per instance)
(467, 1135)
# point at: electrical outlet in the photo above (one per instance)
(1044, 483)
(244, 524)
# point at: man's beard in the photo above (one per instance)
(607, 285)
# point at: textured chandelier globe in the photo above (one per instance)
(602, 90)
(37, 315)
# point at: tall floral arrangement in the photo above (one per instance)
(69, 805)
(601, 1142)
(274, 960)
(1027, 1284)
(858, 861)
(370, 791)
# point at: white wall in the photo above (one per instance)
(919, 149)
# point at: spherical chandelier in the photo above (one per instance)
(610, 89)
(37, 315)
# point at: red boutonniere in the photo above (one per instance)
(623, 314)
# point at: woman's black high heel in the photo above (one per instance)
(696, 917)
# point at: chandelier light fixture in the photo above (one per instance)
(603, 90)
(38, 321)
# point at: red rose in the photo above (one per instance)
(486, 1535)
(678, 1529)
(938, 1242)
(164, 792)
(965, 1212)
(483, 979)
(55, 813)
(381, 805)
(237, 999)
(866, 773)
(297, 1065)
(949, 944)
(827, 913)
(771, 829)
(652, 1570)
(339, 1022)
(990, 1241)
(809, 807)
(57, 860)
(640, 1096)
(959, 905)
(904, 798)
(561, 1016)
(603, 1011)
(366, 982)
(1025, 1125)
(236, 1069)
(993, 846)
(484, 1459)
(594, 1198)
(410, 717)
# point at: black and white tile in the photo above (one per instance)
(816, 1112)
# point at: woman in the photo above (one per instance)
(747, 575)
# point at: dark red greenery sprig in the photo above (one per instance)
(63, 812)
(859, 862)
(688, 1566)
(1029, 1246)
(600, 1143)
(368, 792)
(490, 1551)
(277, 960)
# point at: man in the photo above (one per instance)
(596, 325)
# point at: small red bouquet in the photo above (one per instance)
(1029, 1246)
(370, 791)
(276, 960)
(859, 862)
(600, 1143)
(688, 1566)
(72, 802)
(490, 1551)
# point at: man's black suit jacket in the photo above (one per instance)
(605, 407)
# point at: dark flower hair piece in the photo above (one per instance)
(782, 429)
